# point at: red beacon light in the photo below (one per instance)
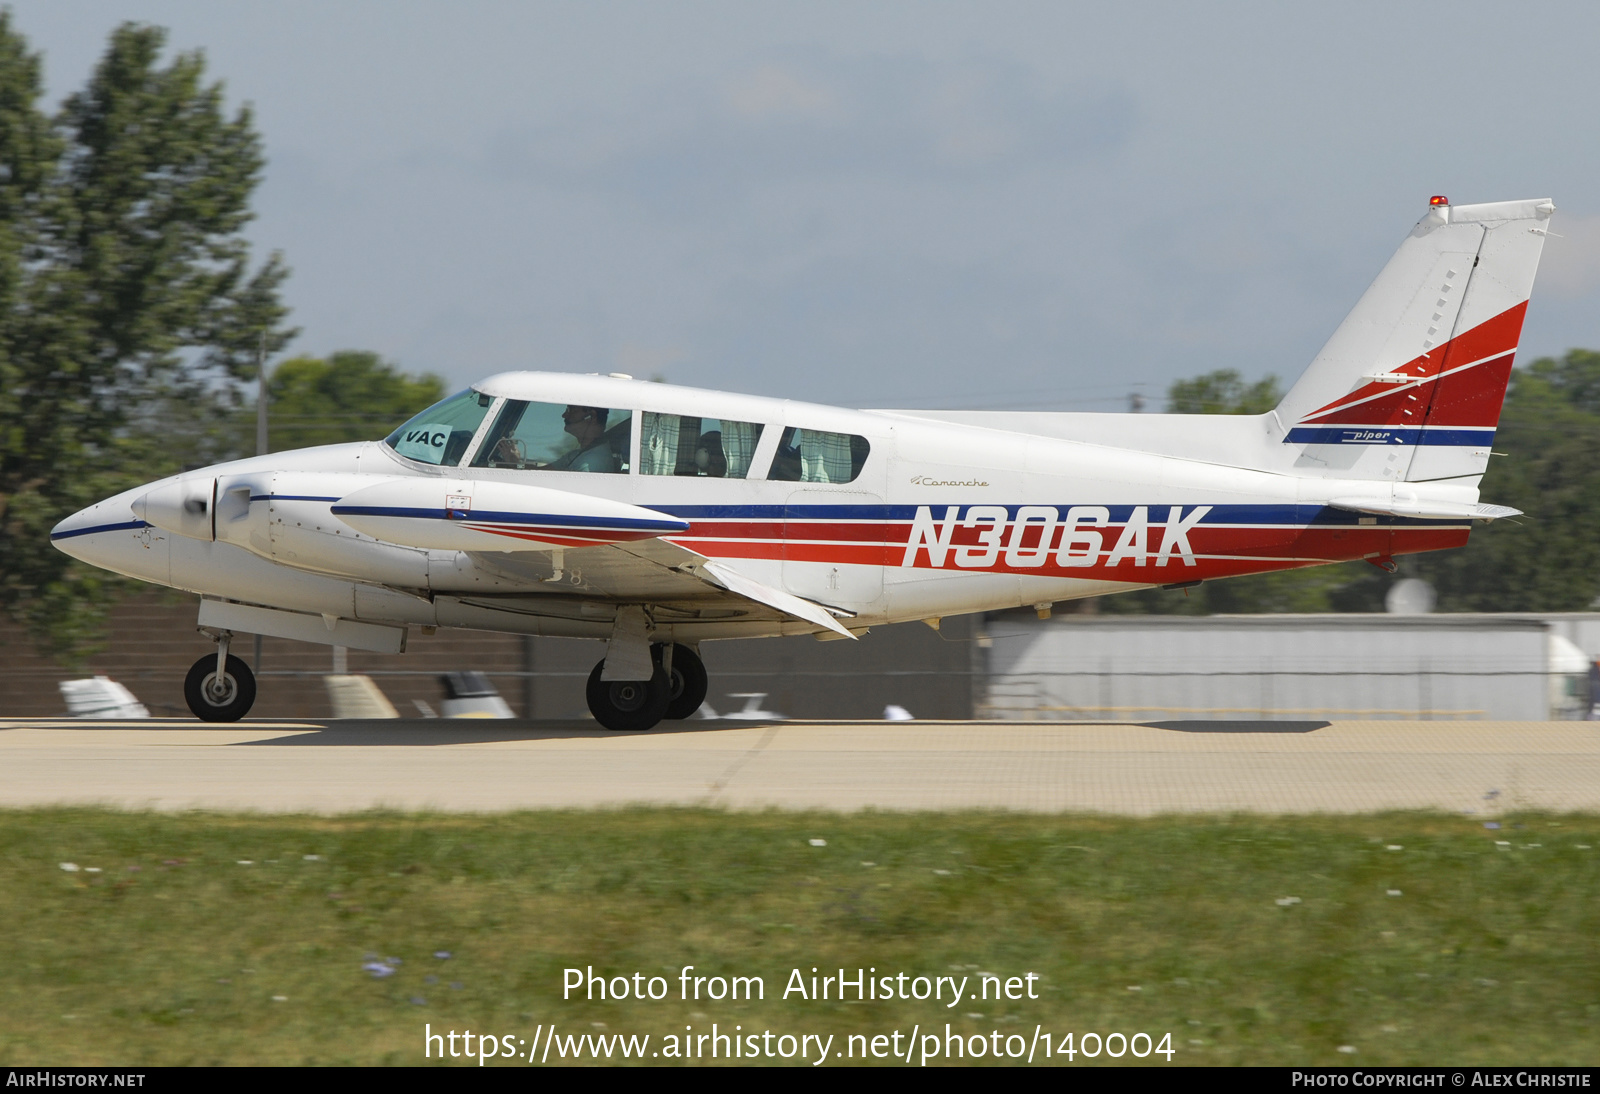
(1438, 199)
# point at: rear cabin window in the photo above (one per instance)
(558, 437)
(441, 434)
(810, 455)
(676, 444)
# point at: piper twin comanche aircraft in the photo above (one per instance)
(654, 518)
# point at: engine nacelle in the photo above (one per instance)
(283, 516)
(185, 507)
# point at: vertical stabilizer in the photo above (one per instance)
(1409, 387)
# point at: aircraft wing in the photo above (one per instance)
(495, 516)
(564, 548)
(723, 575)
(787, 603)
(682, 584)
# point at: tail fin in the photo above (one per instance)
(1409, 387)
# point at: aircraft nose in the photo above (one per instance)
(101, 534)
(83, 523)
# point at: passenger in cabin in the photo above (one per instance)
(587, 424)
(709, 459)
(787, 465)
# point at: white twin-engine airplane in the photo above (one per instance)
(655, 518)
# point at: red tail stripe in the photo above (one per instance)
(1489, 339)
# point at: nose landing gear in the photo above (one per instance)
(675, 690)
(220, 688)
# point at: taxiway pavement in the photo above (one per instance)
(477, 766)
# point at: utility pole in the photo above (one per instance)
(261, 429)
(261, 396)
(527, 676)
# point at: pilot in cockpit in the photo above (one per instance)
(587, 424)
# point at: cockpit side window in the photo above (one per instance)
(441, 434)
(810, 455)
(558, 437)
(676, 444)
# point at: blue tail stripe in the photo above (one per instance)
(1383, 434)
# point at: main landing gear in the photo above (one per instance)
(675, 690)
(220, 687)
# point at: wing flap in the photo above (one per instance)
(659, 570)
(788, 603)
(720, 575)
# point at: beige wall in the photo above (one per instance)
(153, 641)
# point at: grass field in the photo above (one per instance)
(202, 938)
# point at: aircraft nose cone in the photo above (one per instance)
(72, 527)
(109, 535)
(83, 535)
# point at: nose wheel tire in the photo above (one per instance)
(688, 684)
(628, 706)
(220, 699)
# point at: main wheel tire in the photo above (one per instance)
(687, 689)
(224, 700)
(628, 706)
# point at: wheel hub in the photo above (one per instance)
(219, 690)
(628, 695)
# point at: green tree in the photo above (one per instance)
(128, 298)
(1223, 392)
(352, 395)
(1548, 560)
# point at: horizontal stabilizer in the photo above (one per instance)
(788, 603)
(1428, 510)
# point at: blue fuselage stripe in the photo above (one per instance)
(1288, 516)
(124, 526)
(1379, 434)
(289, 497)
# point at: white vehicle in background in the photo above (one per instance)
(471, 695)
(100, 697)
(654, 518)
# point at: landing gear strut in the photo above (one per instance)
(220, 688)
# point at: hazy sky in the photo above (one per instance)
(880, 204)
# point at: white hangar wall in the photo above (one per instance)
(1428, 667)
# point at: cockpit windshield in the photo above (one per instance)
(441, 434)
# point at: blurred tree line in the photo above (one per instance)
(351, 395)
(1547, 464)
(131, 315)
